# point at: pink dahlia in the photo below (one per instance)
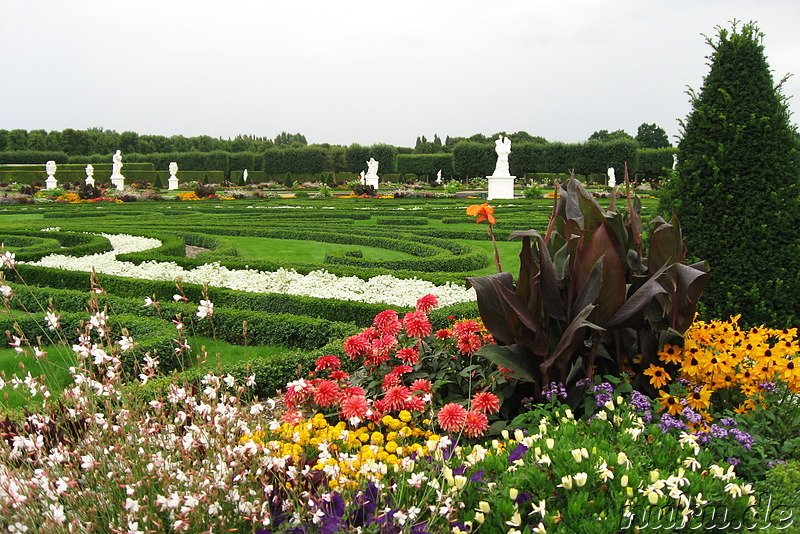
(452, 417)
(388, 322)
(422, 385)
(408, 356)
(395, 398)
(469, 344)
(476, 424)
(355, 407)
(355, 346)
(327, 393)
(486, 402)
(417, 324)
(415, 403)
(463, 328)
(427, 303)
(328, 362)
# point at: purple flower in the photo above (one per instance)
(523, 497)
(718, 432)
(518, 452)
(733, 461)
(640, 402)
(703, 437)
(744, 438)
(767, 386)
(691, 416)
(478, 476)
(668, 422)
(556, 389)
(727, 421)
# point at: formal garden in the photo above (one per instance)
(296, 352)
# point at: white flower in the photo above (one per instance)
(580, 479)
(384, 289)
(125, 343)
(8, 259)
(6, 291)
(566, 482)
(205, 309)
(132, 505)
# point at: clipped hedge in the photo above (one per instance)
(150, 335)
(33, 157)
(402, 221)
(74, 244)
(425, 163)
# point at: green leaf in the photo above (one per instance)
(514, 358)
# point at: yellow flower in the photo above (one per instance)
(671, 354)
(699, 400)
(659, 376)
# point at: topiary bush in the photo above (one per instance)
(737, 186)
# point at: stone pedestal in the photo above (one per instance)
(89, 180)
(500, 187)
(118, 181)
(371, 180)
(172, 183)
(50, 183)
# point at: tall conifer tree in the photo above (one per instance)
(737, 187)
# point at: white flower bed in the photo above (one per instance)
(383, 289)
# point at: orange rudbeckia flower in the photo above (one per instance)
(484, 212)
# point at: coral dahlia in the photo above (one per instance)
(452, 417)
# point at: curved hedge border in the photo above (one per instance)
(152, 336)
(75, 244)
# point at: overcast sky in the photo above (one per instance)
(368, 71)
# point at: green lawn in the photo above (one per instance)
(55, 367)
(220, 353)
(299, 250)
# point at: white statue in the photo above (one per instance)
(503, 148)
(439, 177)
(244, 176)
(89, 174)
(362, 178)
(612, 179)
(116, 171)
(172, 183)
(372, 168)
(50, 169)
(674, 161)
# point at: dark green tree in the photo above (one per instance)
(605, 135)
(285, 139)
(737, 186)
(651, 136)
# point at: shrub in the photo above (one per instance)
(204, 190)
(737, 187)
(583, 288)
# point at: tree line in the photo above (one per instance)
(100, 141)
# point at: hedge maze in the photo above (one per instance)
(439, 242)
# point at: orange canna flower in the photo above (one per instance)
(484, 212)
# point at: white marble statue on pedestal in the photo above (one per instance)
(371, 178)
(116, 171)
(503, 148)
(612, 179)
(172, 183)
(90, 175)
(501, 183)
(244, 177)
(439, 177)
(50, 169)
(674, 161)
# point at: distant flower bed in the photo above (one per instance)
(383, 289)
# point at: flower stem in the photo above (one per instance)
(496, 252)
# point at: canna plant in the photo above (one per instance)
(589, 299)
